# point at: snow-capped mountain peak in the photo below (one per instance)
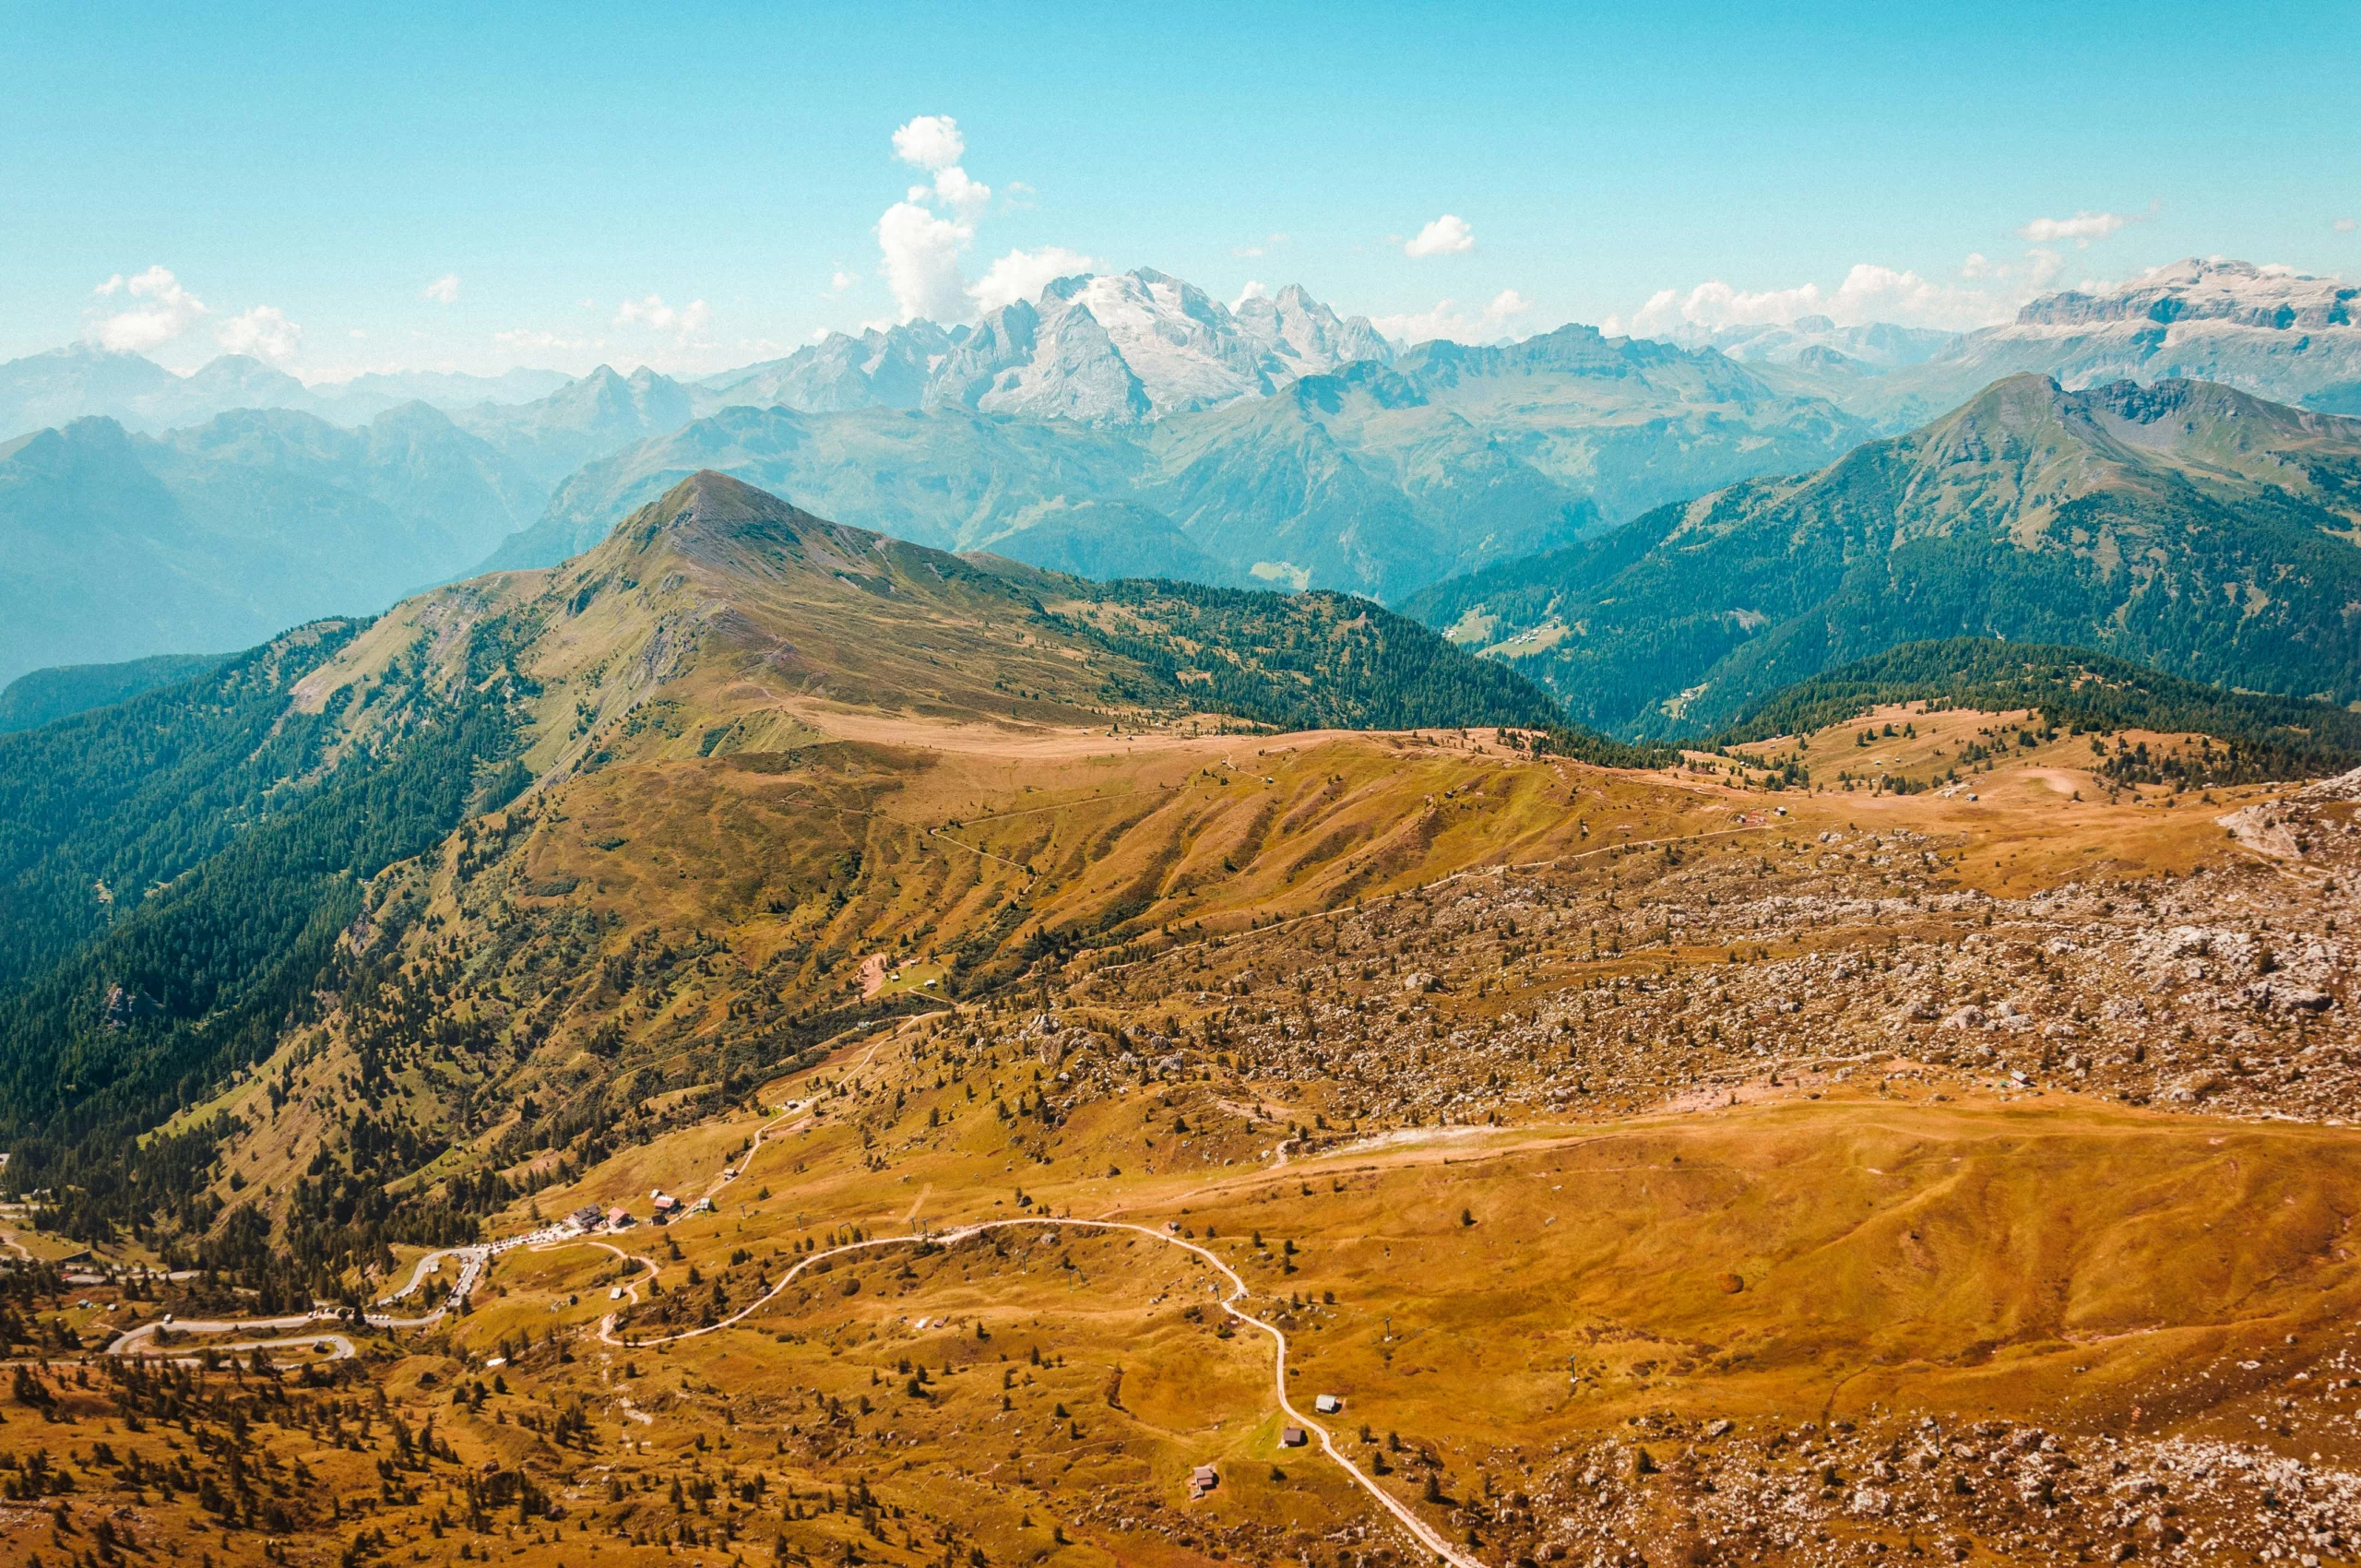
(1104, 348)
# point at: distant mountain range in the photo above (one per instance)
(2187, 525)
(81, 381)
(1817, 342)
(1140, 346)
(1120, 425)
(1374, 479)
(603, 412)
(116, 545)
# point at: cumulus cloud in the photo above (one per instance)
(444, 291)
(1446, 235)
(842, 278)
(1447, 320)
(685, 323)
(2083, 228)
(264, 332)
(1253, 290)
(920, 251)
(164, 311)
(930, 141)
(922, 238)
(960, 193)
(1021, 274)
(1869, 292)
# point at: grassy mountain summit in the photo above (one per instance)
(190, 872)
(2185, 525)
(762, 610)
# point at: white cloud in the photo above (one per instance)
(264, 332)
(2042, 268)
(685, 323)
(922, 258)
(841, 279)
(1447, 320)
(2344, 225)
(1018, 197)
(930, 141)
(1446, 235)
(444, 291)
(168, 311)
(960, 193)
(1263, 246)
(1869, 292)
(1022, 275)
(1251, 291)
(922, 238)
(2083, 228)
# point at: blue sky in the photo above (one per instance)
(700, 186)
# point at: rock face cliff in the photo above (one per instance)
(2269, 330)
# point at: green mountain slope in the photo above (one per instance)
(1312, 661)
(178, 870)
(2185, 526)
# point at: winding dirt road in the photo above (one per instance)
(1426, 1534)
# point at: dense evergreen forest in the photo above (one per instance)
(2077, 690)
(102, 809)
(44, 696)
(233, 841)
